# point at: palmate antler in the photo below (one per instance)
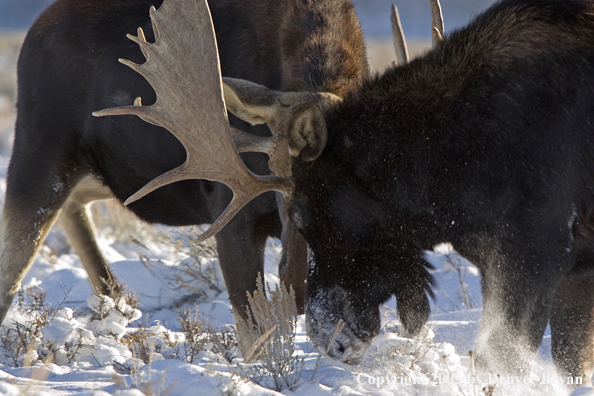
(190, 105)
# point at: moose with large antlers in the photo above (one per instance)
(485, 142)
(64, 158)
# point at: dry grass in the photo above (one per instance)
(11, 41)
(270, 330)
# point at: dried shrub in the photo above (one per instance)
(224, 343)
(121, 293)
(21, 340)
(196, 276)
(197, 332)
(137, 343)
(114, 220)
(270, 329)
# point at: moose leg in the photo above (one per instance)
(512, 326)
(241, 256)
(572, 321)
(31, 206)
(80, 232)
(293, 265)
(518, 284)
(292, 268)
(241, 247)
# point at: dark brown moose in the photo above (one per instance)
(64, 158)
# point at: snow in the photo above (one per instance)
(437, 363)
(79, 351)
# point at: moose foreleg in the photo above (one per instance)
(517, 294)
(292, 267)
(572, 323)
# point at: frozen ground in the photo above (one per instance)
(77, 352)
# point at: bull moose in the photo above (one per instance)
(64, 158)
(485, 141)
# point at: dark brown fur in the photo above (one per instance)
(485, 142)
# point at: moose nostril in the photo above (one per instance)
(341, 348)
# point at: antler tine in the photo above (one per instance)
(437, 28)
(142, 37)
(145, 47)
(147, 113)
(398, 37)
(155, 28)
(140, 34)
(283, 185)
(246, 142)
(190, 105)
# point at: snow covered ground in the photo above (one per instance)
(81, 348)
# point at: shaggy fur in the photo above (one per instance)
(484, 142)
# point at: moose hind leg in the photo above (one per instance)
(80, 233)
(572, 321)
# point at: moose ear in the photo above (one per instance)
(307, 132)
(297, 116)
(253, 103)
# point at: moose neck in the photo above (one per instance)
(289, 45)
